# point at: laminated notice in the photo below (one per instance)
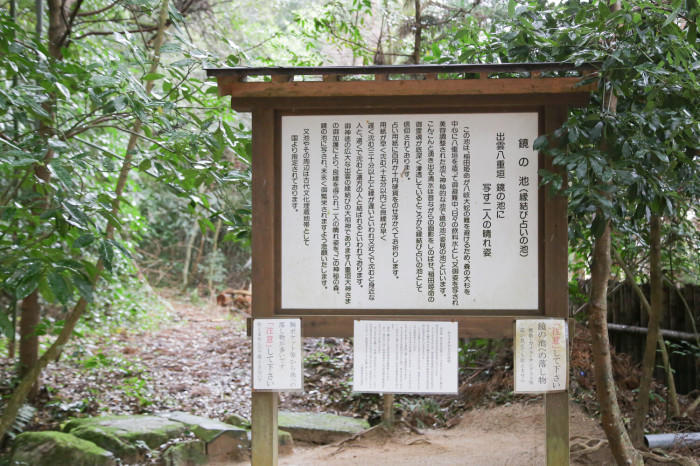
(405, 357)
(540, 355)
(277, 361)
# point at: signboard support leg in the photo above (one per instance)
(264, 428)
(388, 414)
(556, 408)
(556, 302)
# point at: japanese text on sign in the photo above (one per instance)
(277, 361)
(540, 355)
(435, 211)
(405, 357)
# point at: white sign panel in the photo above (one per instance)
(423, 211)
(540, 355)
(405, 357)
(277, 362)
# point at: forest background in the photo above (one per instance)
(121, 170)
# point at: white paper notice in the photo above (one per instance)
(423, 211)
(540, 355)
(277, 363)
(405, 357)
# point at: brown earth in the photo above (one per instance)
(199, 361)
(504, 435)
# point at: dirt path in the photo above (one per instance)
(505, 435)
(199, 362)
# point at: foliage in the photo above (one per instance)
(88, 103)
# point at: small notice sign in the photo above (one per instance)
(405, 357)
(540, 355)
(277, 362)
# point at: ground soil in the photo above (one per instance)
(504, 435)
(199, 361)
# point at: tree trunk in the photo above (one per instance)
(30, 307)
(28, 339)
(20, 393)
(417, 33)
(188, 255)
(210, 272)
(611, 417)
(649, 361)
(672, 393)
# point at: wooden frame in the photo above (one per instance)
(523, 89)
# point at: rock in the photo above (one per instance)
(128, 437)
(204, 428)
(238, 421)
(188, 453)
(320, 427)
(224, 442)
(57, 448)
(285, 441)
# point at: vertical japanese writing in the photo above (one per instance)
(371, 248)
(306, 186)
(524, 198)
(466, 210)
(442, 218)
(500, 175)
(295, 172)
(406, 172)
(557, 375)
(324, 205)
(542, 353)
(486, 223)
(335, 163)
(395, 199)
(430, 139)
(419, 206)
(269, 353)
(347, 198)
(447, 199)
(294, 362)
(359, 206)
(454, 197)
(382, 180)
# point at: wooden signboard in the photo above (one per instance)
(405, 193)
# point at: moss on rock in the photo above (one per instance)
(189, 453)
(128, 437)
(320, 427)
(51, 448)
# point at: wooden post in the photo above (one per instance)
(264, 428)
(556, 299)
(264, 407)
(388, 414)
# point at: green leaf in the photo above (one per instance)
(6, 325)
(59, 287)
(63, 90)
(27, 284)
(511, 8)
(153, 76)
(540, 143)
(83, 240)
(84, 287)
(598, 226)
(106, 252)
(672, 17)
(597, 131)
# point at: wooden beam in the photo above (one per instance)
(556, 297)
(264, 404)
(388, 104)
(263, 427)
(395, 88)
(281, 78)
(263, 148)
